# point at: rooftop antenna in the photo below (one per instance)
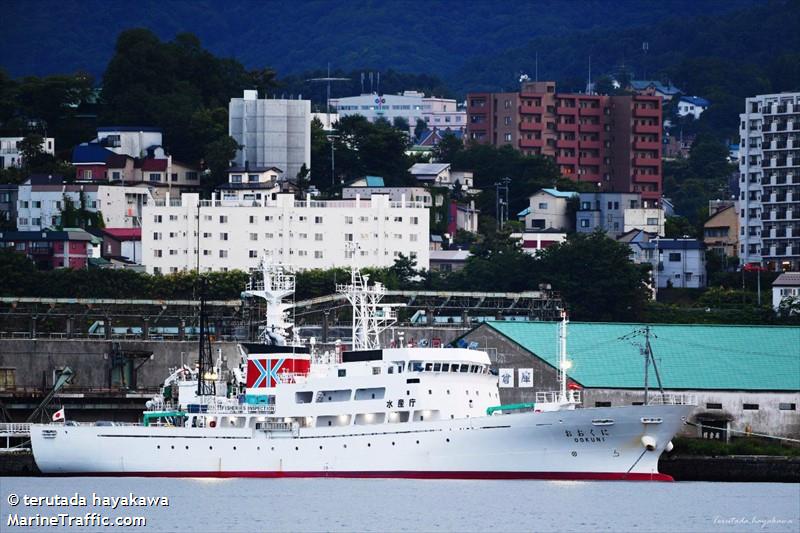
(647, 351)
(328, 79)
(378, 84)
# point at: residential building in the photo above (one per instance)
(742, 377)
(133, 141)
(548, 209)
(409, 105)
(42, 198)
(611, 141)
(692, 105)
(254, 183)
(459, 214)
(769, 171)
(442, 175)
(50, 249)
(677, 146)
(785, 286)
(665, 91)
(534, 240)
(122, 243)
(617, 213)
(642, 251)
(721, 231)
(8, 205)
(303, 233)
(681, 263)
(448, 260)
(132, 155)
(271, 132)
(9, 150)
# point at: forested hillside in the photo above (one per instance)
(43, 37)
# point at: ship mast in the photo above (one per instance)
(563, 364)
(368, 320)
(274, 284)
(206, 375)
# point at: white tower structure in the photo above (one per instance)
(274, 285)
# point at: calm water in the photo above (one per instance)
(411, 505)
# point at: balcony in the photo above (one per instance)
(567, 143)
(531, 109)
(531, 143)
(646, 112)
(40, 250)
(590, 111)
(531, 126)
(564, 110)
(591, 128)
(592, 161)
(647, 161)
(639, 177)
(563, 126)
(646, 145)
(591, 145)
(570, 160)
(646, 128)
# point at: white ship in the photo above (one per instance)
(403, 412)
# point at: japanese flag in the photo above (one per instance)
(58, 416)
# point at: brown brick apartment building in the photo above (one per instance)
(614, 141)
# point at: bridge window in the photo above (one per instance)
(428, 367)
(445, 367)
(304, 396)
(376, 393)
(396, 417)
(437, 367)
(341, 395)
(365, 419)
(416, 366)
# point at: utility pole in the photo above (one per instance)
(646, 350)
(501, 204)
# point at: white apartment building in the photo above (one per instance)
(9, 150)
(769, 168)
(306, 234)
(412, 106)
(41, 199)
(617, 213)
(272, 132)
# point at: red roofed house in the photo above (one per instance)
(123, 243)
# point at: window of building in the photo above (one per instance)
(317, 220)
(318, 254)
(223, 236)
(191, 176)
(602, 404)
(253, 254)
(155, 176)
(584, 223)
(750, 406)
(318, 236)
(252, 178)
(713, 406)
(652, 221)
(223, 219)
(223, 253)
(156, 236)
(236, 178)
(348, 220)
(542, 205)
(507, 137)
(787, 406)
(674, 256)
(157, 219)
(157, 253)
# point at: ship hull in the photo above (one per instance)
(594, 443)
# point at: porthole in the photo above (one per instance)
(447, 440)
(158, 447)
(448, 391)
(296, 448)
(210, 447)
(258, 448)
(345, 445)
(417, 442)
(187, 447)
(392, 443)
(234, 447)
(173, 447)
(272, 449)
(430, 391)
(368, 445)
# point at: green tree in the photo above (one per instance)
(419, 129)
(448, 149)
(219, 154)
(596, 277)
(676, 227)
(400, 123)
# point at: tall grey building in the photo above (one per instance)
(769, 165)
(271, 132)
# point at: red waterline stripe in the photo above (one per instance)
(404, 474)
